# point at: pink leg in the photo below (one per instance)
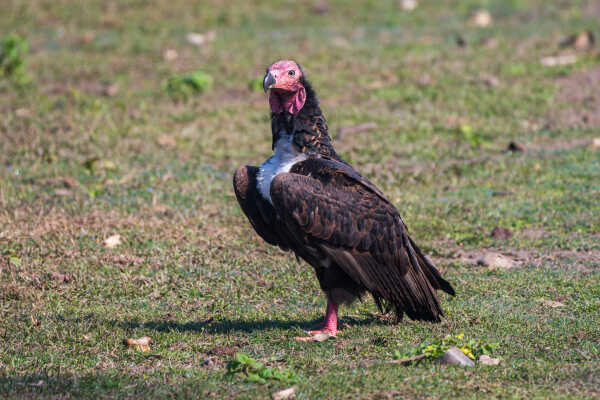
(329, 324)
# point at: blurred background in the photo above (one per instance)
(123, 121)
(120, 104)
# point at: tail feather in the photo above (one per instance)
(432, 273)
(422, 279)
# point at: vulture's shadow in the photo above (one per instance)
(238, 325)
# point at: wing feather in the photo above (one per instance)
(340, 212)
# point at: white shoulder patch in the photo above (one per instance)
(283, 159)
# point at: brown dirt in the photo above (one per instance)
(584, 261)
(578, 101)
(222, 351)
(592, 9)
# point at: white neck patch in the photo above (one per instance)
(283, 159)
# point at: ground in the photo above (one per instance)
(95, 145)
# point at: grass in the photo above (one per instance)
(95, 145)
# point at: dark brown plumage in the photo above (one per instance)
(335, 219)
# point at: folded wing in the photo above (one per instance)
(327, 205)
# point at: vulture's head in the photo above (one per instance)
(287, 92)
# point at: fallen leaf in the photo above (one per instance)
(86, 38)
(166, 140)
(288, 393)
(63, 192)
(490, 43)
(210, 362)
(321, 337)
(320, 8)
(558, 60)
(198, 39)
(66, 181)
(111, 90)
(162, 208)
(515, 147)
(126, 259)
(408, 5)
(57, 276)
(22, 112)
(582, 41)
(496, 260)
(552, 303)
(490, 81)
(141, 344)
(112, 241)
(487, 360)
(170, 55)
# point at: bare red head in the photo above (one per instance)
(287, 92)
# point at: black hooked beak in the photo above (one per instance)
(268, 81)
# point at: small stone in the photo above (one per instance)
(455, 357)
(496, 260)
(595, 143)
(487, 360)
(288, 393)
(482, 18)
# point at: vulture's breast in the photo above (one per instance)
(283, 159)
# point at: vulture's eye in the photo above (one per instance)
(291, 72)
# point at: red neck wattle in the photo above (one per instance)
(291, 102)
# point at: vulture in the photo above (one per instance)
(306, 199)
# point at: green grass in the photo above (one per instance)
(95, 145)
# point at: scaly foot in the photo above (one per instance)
(329, 324)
